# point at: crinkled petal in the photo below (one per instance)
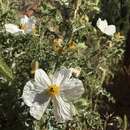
(61, 75)
(30, 91)
(72, 89)
(12, 28)
(24, 19)
(42, 78)
(110, 30)
(102, 24)
(37, 110)
(63, 111)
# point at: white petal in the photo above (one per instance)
(63, 111)
(12, 28)
(110, 30)
(37, 110)
(24, 20)
(42, 78)
(61, 75)
(30, 91)
(105, 28)
(102, 24)
(72, 89)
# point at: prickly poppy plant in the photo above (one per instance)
(64, 65)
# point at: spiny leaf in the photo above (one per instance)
(5, 70)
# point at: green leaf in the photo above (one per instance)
(5, 71)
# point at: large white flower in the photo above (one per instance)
(27, 25)
(105, 28)
(60, 89)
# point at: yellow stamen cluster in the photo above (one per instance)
(24, 27)
(72, 45)
(54, 90)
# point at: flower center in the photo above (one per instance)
(54, 90)
(24, 27)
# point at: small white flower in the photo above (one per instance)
(60, 89)
(27, 25)
(105, 28)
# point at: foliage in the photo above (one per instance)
(65, 36)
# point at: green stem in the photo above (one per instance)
(125, 125)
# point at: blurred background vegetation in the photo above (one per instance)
(66, 35)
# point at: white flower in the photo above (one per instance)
(105, 28)
(27, 25)
(60, 89)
